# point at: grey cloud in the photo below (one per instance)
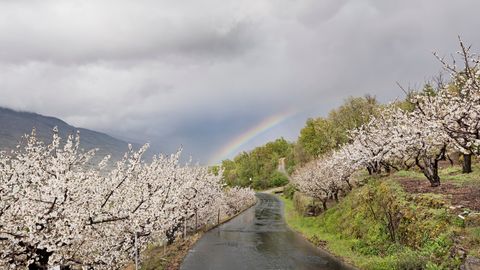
(94, 31)
(198, 73)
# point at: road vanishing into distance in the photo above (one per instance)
(257, 239)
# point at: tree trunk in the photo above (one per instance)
(430, 170)
(432, 174)
(450, 160)
(378, 168)
(42, 264)
(387, 169)
(196, 219)
(170, 236)
(170, 233)
(324, 204)
(435, 181)
(184, 228)
(467, 163)
(348, 183)
(335, 195)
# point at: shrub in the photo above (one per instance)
(410, 260)
(386, 222)
(278, 179)
(288, 191)
(305, 206)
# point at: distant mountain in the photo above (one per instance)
(15, 124)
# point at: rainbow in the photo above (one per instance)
(234, 145)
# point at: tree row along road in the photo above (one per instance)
(257, 239)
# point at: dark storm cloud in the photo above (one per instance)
(198, 73)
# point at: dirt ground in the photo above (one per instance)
(170, 258)
(466, 196)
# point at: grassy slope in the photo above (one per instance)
(338, 244)
(427, 234)
(451, 174)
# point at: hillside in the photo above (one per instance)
(397, 221)
(15, 124)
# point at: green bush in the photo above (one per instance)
(278, 179)
(410, 260)
(305, 206)
(385, 222)
(258, 168)
(288, 191)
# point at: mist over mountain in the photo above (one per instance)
(15, 124)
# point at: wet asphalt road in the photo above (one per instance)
(257, 239)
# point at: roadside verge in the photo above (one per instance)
(161, 257)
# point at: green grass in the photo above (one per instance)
(412, 174)
(311, 228)
(454, 174)
(472, 241)
(450, 174)
(356, 229)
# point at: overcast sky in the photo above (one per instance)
(199, 73)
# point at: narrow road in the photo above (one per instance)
(257, 239)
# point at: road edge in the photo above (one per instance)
(201, 232)
(341, 259)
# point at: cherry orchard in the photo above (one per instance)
(456, 106)
(441, 122)
(58, 208)
(393, 140)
